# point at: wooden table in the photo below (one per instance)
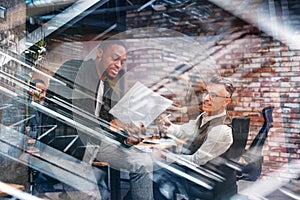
(16, 186)
(150, 143)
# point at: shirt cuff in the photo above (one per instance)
(170, 157)
(174, 130)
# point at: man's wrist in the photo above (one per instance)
(126, 143)
(163, 156)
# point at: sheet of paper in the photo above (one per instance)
(144, 149)
(140, 104)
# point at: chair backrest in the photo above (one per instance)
(253, 156)
(262, 135)
(240, 127)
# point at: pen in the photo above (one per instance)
(165, 117)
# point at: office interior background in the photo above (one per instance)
(253, 43)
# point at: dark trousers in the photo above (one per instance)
(169, 185)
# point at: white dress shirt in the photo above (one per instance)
(99, 98)
(219, 139)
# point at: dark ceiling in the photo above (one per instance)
(100, 17)
(93, 21)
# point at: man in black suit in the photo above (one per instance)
(97, 88)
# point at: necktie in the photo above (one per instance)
(200, 138)
(106, 103)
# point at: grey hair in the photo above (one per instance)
(227, 83)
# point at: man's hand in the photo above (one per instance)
(117, 125)
(158, 154)
(134, 131)
(133, 140)
(131, 128)
(163, 122)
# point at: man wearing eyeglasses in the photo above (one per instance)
(207, 138)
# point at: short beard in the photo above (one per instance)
(106, 75)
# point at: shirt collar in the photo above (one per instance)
(206, 118)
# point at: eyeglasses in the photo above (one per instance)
(212, 95)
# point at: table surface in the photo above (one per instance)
(16, 186)
(149, 143)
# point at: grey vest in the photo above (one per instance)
(202, 132)
(229, 184)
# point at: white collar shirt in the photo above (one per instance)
(99, 98)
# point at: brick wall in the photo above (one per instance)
(265, 72)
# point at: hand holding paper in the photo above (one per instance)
(140, 104)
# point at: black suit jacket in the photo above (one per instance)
(84, 97)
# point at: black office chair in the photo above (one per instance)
(251, 169)
(240, 127)
(253, 156)
(230, 159)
